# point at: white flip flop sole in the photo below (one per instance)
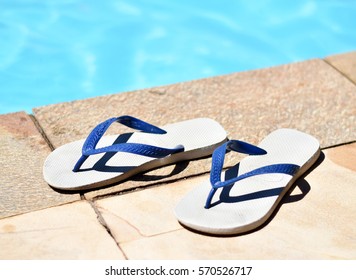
(251, 201)
(198, 136)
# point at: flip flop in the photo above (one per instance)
(251, 190)
(100, 161)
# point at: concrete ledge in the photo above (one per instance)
(345, 63)
(310, 96)
(23, 151)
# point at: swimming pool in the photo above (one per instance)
(54, 51)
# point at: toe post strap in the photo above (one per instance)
(246, 148)
(218, 156)
(89, 146)
(97, 133)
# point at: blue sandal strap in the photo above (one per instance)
(218, 156)
(98, 132)
(238, 146)
(89, 146)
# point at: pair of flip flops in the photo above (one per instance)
(233, 201)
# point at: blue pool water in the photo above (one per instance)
(54, 51)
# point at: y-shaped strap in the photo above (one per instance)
(89, 146)
(242, 147)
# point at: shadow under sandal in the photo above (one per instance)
(250, 191)
(103, 160)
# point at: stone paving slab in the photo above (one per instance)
(22, 153)
(65, 232)
(345, 63)
(316, 221)
(310, 96)
(144, 213)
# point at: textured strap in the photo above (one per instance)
(218, 156)
(89, 146)
(242, 147)
(98, 132)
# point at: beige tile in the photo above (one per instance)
(344, 156)
(316, 221)
(146, 212)
(345, 63)
(310, 96)
(70, 231)
(22, 153)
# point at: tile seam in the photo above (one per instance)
(338, 145)
(46, 139)
(103, 223)
(38, 209)
(339, 71)
(123, 219)
(41, 131)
